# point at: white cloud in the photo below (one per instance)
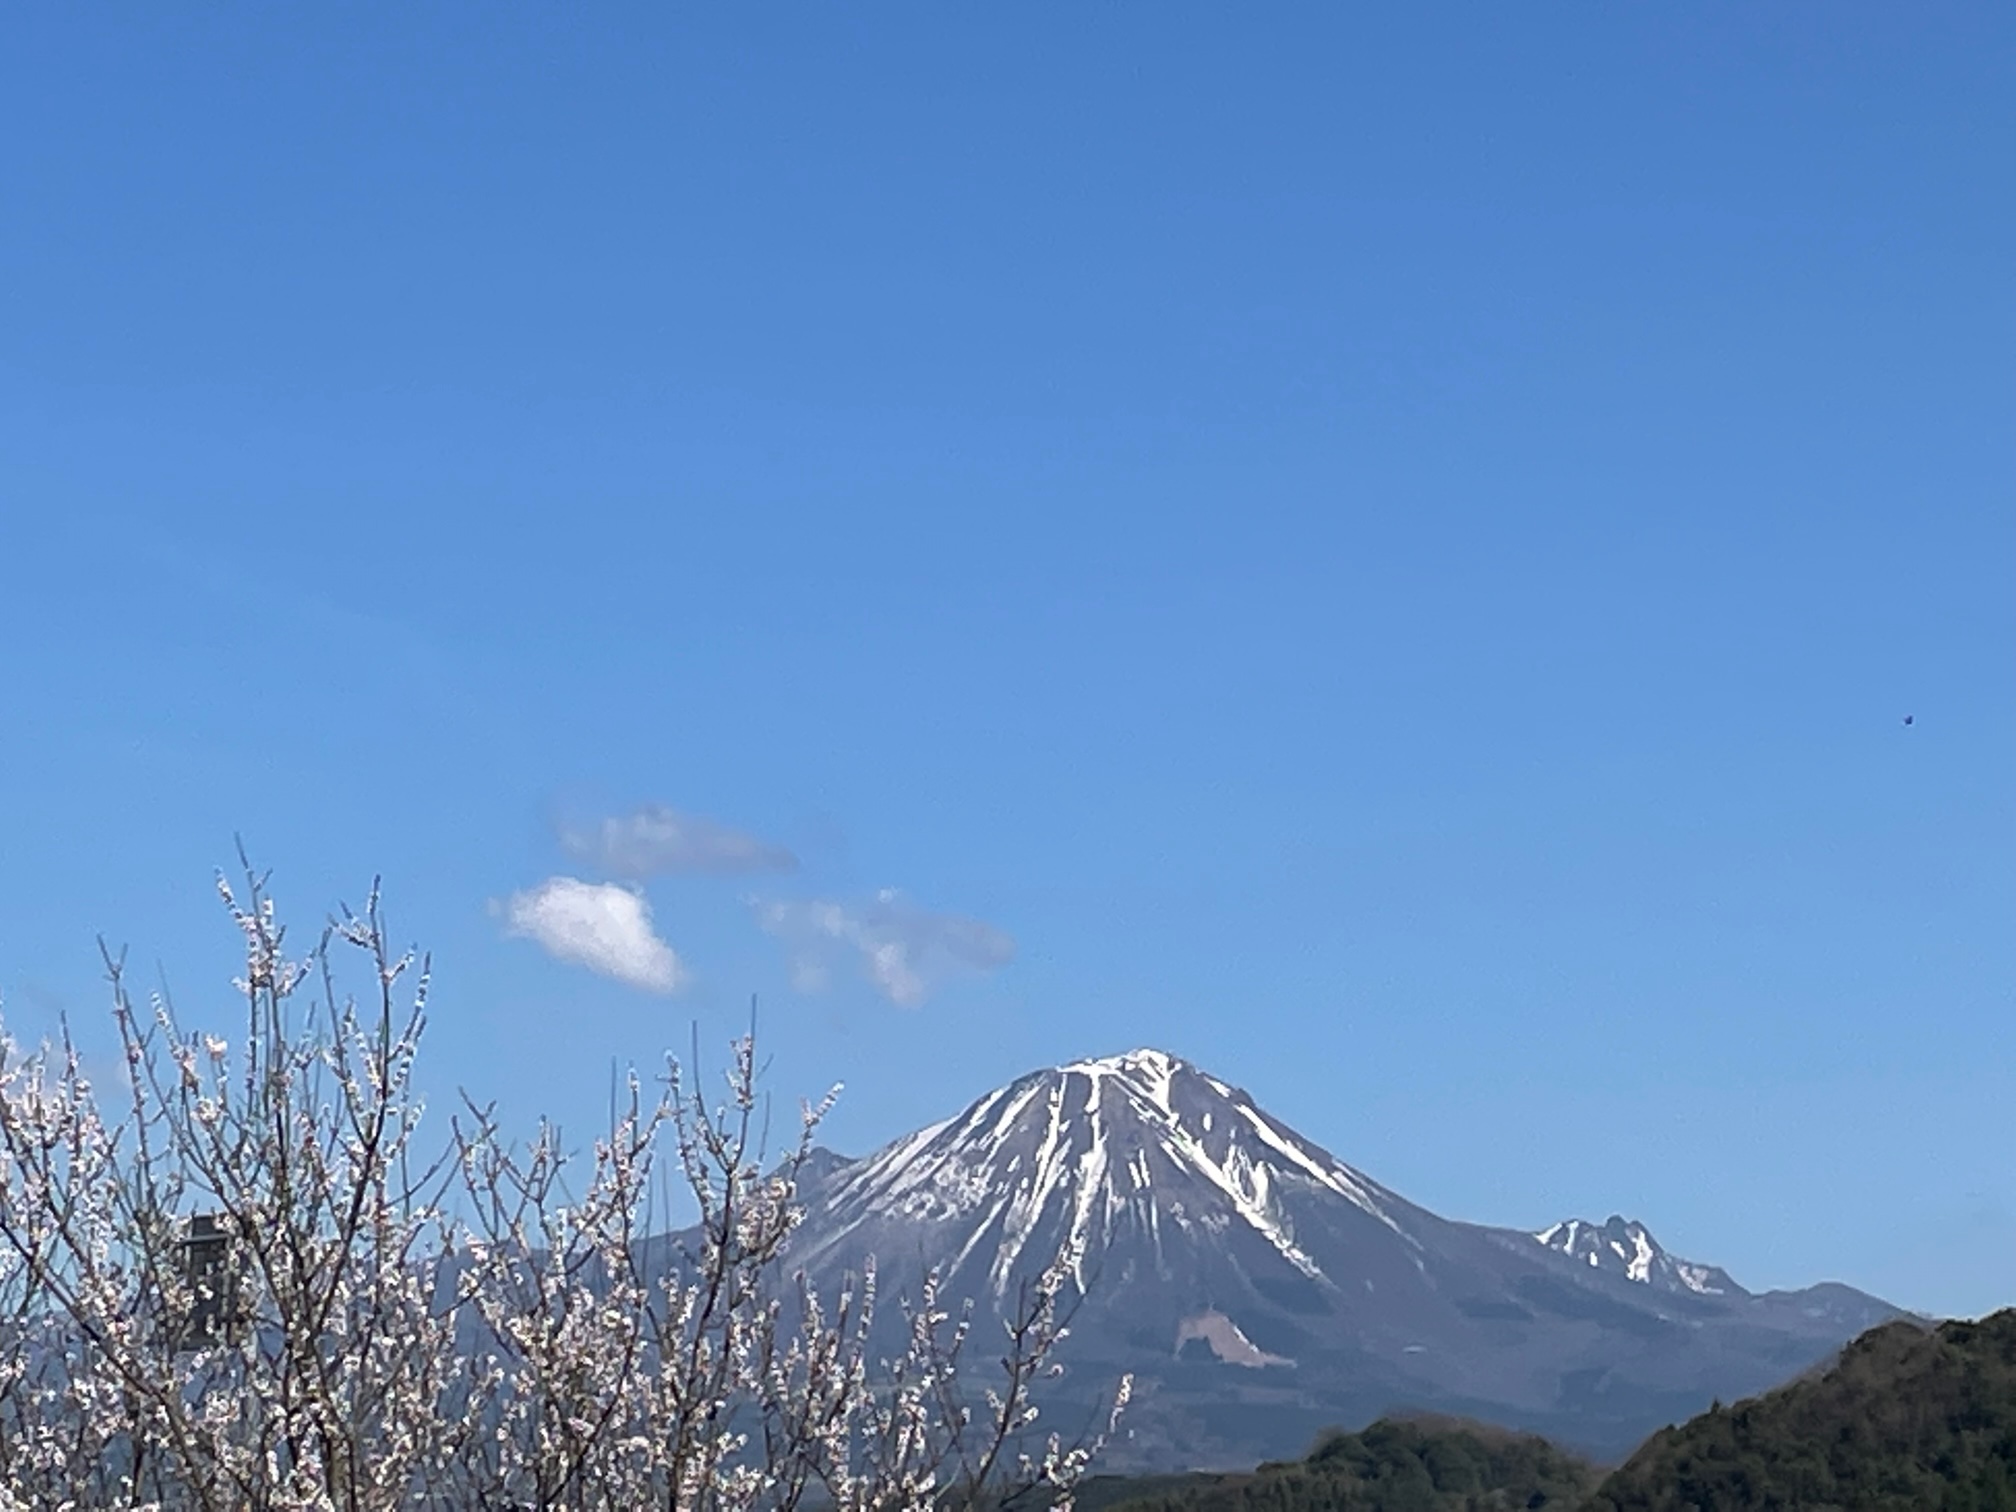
(598, 925)
(656, 840)
(904, 951)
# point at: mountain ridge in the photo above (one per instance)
(1626, 1245)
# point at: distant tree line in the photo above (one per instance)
(1396, 1465)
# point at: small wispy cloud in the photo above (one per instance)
(656, 841)
(904, 951)
(599, 925)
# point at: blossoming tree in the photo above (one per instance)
(242, 1283)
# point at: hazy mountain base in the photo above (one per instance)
(1904, 1418)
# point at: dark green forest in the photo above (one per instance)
(1396, 1465)
(1904, 1418)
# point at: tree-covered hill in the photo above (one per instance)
(1905, 1419)
(1396, 1465)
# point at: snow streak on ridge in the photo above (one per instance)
(1627, 1248)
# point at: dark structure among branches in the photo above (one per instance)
(212, 1315)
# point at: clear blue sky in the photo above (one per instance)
(1384, 550)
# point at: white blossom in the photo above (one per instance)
(248, 1288)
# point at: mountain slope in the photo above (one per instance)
(1263, 1290)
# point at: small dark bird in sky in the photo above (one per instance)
(1908, 718)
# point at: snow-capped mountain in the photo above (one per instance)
(1625, 1247)
(1261, 1289)
(1133, 1150)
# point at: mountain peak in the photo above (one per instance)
(1144, 1059)
(1147, 1072)
(1142, 1150)
(1625, 1247)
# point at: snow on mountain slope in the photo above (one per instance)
(1074, 1157)
(1626, 1247)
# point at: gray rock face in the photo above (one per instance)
(1261, 1290)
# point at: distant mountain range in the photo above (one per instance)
(1261, 1290)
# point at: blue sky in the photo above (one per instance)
(1385, 553)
